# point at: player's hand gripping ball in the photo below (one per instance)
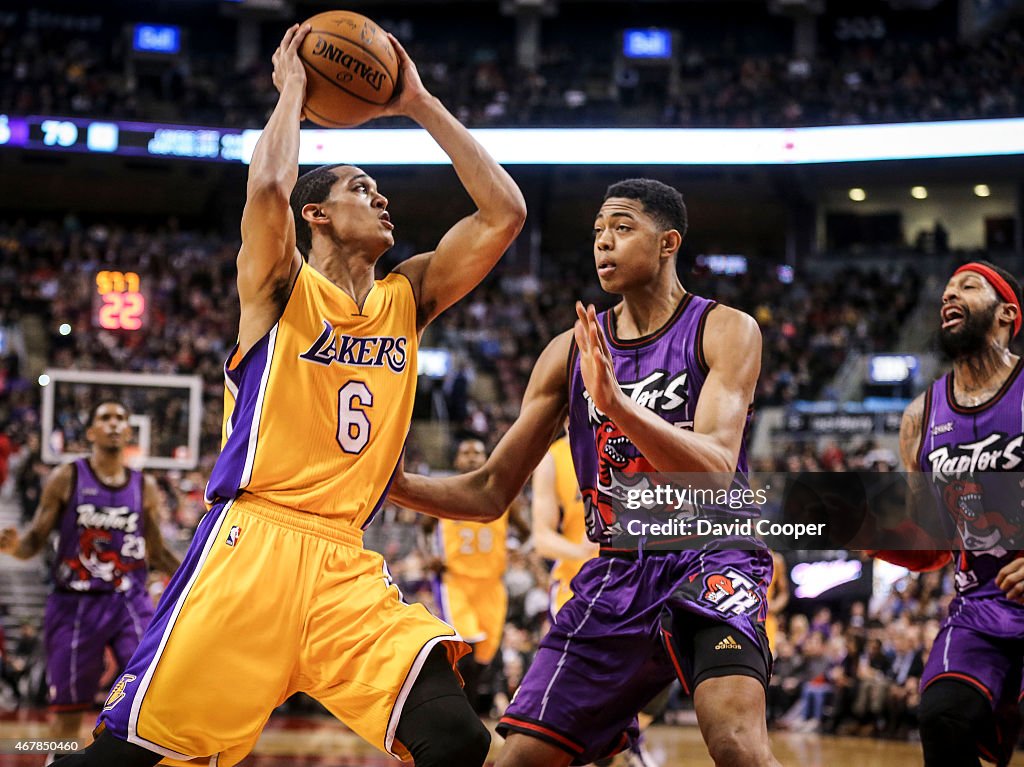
(351, 69)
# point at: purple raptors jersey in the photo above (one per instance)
(102, 545)
(973, 456)
(663, 371)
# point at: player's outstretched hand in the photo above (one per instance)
(8, 540)
(410, 90)
(595, 360)
(1011, 580)
(287, 64)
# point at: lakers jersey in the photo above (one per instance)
(569, 501)
(473, 549)
(316, 414)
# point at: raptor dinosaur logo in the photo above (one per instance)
(980, 529)
(619, 470)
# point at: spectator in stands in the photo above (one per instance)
(845, 678)
(784, 686)
(905, 673)
(79, 73)
(873, 677)
(30, 476)
(815, 687)
(22, 665)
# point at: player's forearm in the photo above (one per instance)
(552, 545)
(275, 160)
(28, 546)
(497, 197)
(463, 497)
(671, 449)
(778, 603)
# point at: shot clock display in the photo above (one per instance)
(119, 301)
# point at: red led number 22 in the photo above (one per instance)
(122, 311)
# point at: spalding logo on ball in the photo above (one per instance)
(351, 69)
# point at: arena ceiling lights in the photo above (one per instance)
(671, 146)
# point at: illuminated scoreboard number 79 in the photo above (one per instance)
(120, 303)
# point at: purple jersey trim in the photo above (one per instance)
(250, 377)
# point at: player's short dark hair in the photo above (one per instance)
(105, 401)
(661, 202)
(1012, 281)
(311, 188)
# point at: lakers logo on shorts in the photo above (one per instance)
(117, 691)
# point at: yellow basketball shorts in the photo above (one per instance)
(268, 602)
(476, 607)
(559, 593)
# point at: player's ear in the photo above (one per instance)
(1009, 313)
(670, 242)
(314, 213)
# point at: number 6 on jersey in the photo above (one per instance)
(353, 423)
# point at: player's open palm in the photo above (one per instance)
(595, 360)
(287, 64)
(410, 86)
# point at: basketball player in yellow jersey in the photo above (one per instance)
(559, 526)
(277, 594)
(469, 587)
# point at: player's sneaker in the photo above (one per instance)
(639, 756)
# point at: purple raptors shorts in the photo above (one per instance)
(77, 629)
(981, 643)
(633, 625)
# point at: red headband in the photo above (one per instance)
(1002, 287)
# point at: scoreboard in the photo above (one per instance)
(119, 301)
(136, 139)
(534, 146)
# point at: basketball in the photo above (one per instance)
(351, 69)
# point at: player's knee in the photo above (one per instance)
(738, 747)
(952, 712)
(458, 741)
(469, 747)
(445, 732)
(461, 738)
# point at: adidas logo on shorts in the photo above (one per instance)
(728, 644)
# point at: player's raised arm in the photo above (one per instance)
(268, 260)
(55, 495)
(159, 556)
(734, 362)
(486, 493)
(472, 247)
